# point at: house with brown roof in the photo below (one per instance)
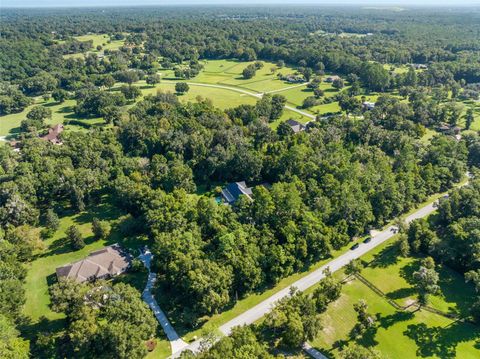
(53, 134)
(104, 263)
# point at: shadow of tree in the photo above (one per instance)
(407, 271)
(103, 211)
(441, 341)
(400, 293)
(62, 245)
(51, 104)
(340, 344)
(13, 132)
(385, 258)
(389, 320)
(65, 109)
(454, 290)
(44, 325)
(367, 338)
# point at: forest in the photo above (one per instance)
(159, 161)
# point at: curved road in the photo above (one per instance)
(258, 311)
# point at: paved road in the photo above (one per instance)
(176, 343)
(258, 311)
(253, 94)
(314, 353)
(287, 88)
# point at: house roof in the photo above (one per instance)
(296, 126)
(53, 133)
(332, 78)
(369, 105)
(234, 190)
(108, 261)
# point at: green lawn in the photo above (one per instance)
(325, 108)
(475, 126)
(295, 96)
(98, 39)
(57, 252)
(102, 40)
(399, 334)
(10, 124)
(162, 350)
(397, 69)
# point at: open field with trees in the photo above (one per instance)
(397, 334)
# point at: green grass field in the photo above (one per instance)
(221, 98)
(396, 69)
(57, 252)
(229, 72)
(455, 296)
(475, 126)
(98, 39)
(10, 124)
(401, 334)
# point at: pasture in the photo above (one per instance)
(401, 334)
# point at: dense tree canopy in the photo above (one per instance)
(163, 160)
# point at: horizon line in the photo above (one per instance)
(375, 6)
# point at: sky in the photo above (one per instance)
(87, 3)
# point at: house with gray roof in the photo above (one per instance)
(296, 126)
(232, 192)
(104, 263)
(368, 106)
